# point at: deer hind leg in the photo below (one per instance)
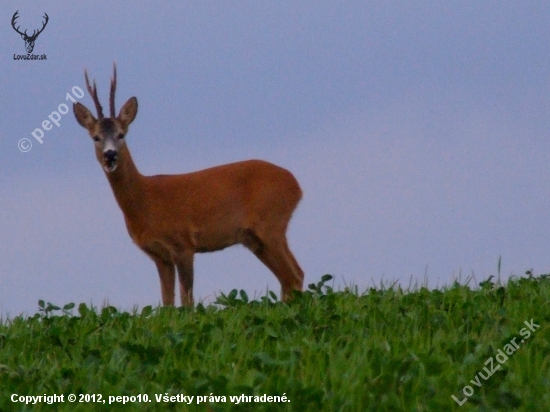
(298, 272)
(275, 254)
(167, 275)
(184, 263)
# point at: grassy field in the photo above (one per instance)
(381, 350)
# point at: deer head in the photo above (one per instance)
(29, 40)
(107, 132)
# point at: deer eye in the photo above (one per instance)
(96, 139)
(120, 136)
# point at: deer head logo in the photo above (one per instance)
(29, 40)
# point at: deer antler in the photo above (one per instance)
(93, 93)
(15, 16)
(34, 33)
(43, 26)
(112, 95)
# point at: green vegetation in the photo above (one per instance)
(385, 349)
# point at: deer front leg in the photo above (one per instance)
(185, 275)
(167, 275)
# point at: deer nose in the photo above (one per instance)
(110, 155)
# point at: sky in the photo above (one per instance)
(419, 133)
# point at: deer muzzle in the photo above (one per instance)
(110, 160)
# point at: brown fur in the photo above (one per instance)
(172, 217)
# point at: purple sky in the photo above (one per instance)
(419, 133)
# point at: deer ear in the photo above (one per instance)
(128, 112)
(83, 116)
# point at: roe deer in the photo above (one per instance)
(172, 217)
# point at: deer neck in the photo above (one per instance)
(128, 186)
